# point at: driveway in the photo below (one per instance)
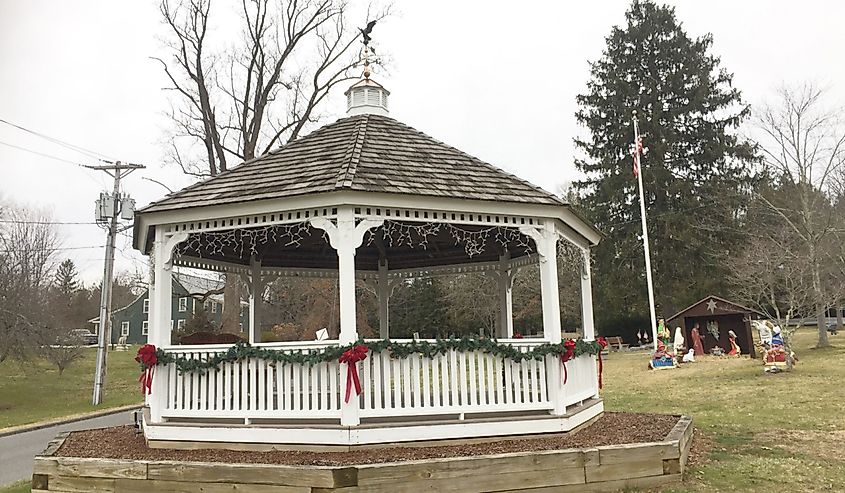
(17, 451)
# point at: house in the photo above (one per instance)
(132, 320)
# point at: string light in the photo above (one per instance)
(394, 234)
(474, 242)
(572, 255)
(243, 240)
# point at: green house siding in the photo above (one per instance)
(131, 319)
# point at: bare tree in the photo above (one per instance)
(239, 102)
(27, 246)
(773, 275)
(804, 147)
(60, 347)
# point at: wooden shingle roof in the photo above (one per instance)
(370, 153)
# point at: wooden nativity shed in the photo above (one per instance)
(723, 316)
(365, 198)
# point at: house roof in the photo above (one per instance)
(370, 153)
(720, 306)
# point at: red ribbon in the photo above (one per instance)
(148, 359)
(603, 343)
(569, 346)
(351, 357)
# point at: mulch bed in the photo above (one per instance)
(610, 429)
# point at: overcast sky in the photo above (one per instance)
(496, 81)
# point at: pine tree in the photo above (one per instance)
(66, 281)
(696, 172)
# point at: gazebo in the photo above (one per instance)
(366, 198)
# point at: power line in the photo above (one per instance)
(52, 249)
(81, 150)
(10, 221)
(40, 153)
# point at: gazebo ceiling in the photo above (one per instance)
(369, 153)
(312, 251)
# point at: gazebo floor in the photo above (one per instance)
(262, 435)
(620, 451)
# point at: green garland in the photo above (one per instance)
(241, 351)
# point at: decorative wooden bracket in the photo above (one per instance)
(170, 247)
(342, 234)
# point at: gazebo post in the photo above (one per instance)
(545, 238)
(345, 237)
(161, 307)
(346, 247)
(587, 297)
(163, 289)
(383, 300)
(255, 289)
(505, 284)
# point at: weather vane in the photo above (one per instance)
(365, 33)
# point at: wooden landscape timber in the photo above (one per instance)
(605, 468)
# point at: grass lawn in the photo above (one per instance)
(34, 391)
(21, 487)
(768, 432)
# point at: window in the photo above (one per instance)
(183, 304)
(213, 307)
(147, 305)
(145, 328)
(124, 328)
(207, 306)
(180, 324)
(96, 327)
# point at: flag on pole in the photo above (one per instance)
(636, 150)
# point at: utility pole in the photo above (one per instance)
(108, 208)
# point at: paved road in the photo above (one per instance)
(17, 451)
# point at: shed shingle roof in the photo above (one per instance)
(370, 153)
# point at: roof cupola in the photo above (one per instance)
(366, 97)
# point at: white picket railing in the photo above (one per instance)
(452, 383)
(253, 388)
(448, 384)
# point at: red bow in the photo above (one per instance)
(148, 359)
(569, 346)
(351, 357)
(603, 343)
(517, 335)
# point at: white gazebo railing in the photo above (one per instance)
(451, 384)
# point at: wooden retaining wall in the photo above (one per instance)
(608, 468)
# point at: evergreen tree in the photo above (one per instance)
(696, 172)
(419, 306)
(63, 294)
(66, 282)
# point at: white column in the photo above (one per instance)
(256, 288)
(161, 305)
(383, 301)
(549, 286)
(546, 240)
(587, 298)
(346, 247)
(505, 285)
(346, 237)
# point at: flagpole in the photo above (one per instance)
(651, 310)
